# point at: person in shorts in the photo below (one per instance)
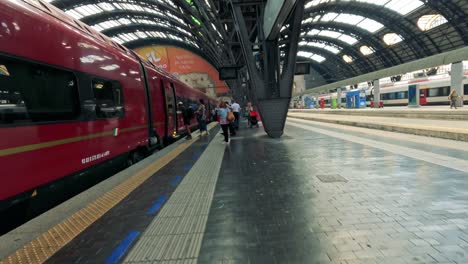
(186, 116)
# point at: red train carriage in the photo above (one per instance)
(73, 102)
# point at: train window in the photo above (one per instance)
(109, 99)
(445, 91)
(402, 95)
(33, 93)
(434, 92)
(465, 89)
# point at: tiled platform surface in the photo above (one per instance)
(320, 197)
(448, 129)
(425, 112)
(323, 193)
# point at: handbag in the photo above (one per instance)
(230, 116)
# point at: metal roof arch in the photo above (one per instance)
(456, 13)
(363, 36)
(389, 18)
(345, 49)
(118, 13)
(330, 56)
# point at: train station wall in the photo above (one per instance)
(187, 66)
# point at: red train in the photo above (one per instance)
(74, 103)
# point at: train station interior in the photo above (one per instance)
(233, 131)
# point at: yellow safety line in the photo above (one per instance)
(47, 244)
(16, 150)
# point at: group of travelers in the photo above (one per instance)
(227, 114)
(201, 114)
(229, 117)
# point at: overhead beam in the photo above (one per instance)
(432, 61)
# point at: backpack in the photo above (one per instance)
(190, 113)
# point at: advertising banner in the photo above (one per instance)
(187, 66)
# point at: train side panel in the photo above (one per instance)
(106, 114)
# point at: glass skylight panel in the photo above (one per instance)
(404, 6)
(106, 6)
(348, 39)
(392, 38)
(305, 54)
(428, 22)
(333, 34)
(74, 14)
(329, 33)
(332, 49)
(97, 27)
(118, 40)
(370, 25)
(141, 34)
(376, 2)
(318, 58)
(366, 50)
(313, 32)
(171, 3)
(124, 21)
(349, 19)
(329, 17)
(324, 46)
(347, 58)
(310, 55)
(306, 21)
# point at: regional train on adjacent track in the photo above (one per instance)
(74, 105)
(431, 92)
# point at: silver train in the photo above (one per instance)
(432, 92)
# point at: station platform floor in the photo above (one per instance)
(441, 127)
(323, 193)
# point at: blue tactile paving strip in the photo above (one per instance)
(103, 241)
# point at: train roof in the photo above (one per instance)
(53, 11)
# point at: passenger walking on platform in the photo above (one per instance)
(236, 110)
(223, 120)
(201, 117)
(231, 119)
(187, 114)
(453, 97)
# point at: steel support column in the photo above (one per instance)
(456, 74)
(376, 93)
(272, 87)
(338, 98)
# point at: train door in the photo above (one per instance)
(423, 96)
(157, 102)
(171, 118)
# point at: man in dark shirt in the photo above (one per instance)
(186, 116)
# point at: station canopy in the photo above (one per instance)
(190, 24)
(341, 38)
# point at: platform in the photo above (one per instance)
(424, 112)
(392, 120)
(323, 193)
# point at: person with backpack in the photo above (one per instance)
(187, 115)
(223, 112)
